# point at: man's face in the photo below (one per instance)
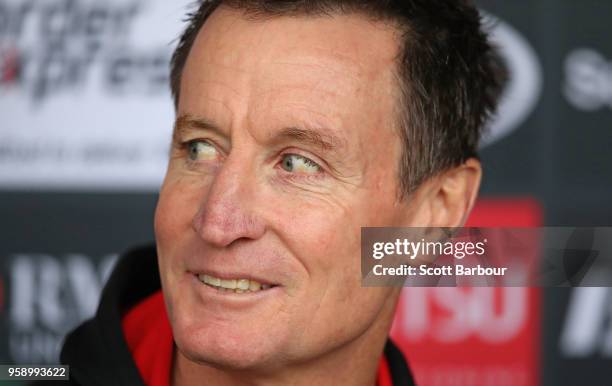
(285, 146)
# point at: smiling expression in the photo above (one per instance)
(284, 147)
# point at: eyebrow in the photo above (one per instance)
(186, 122)
(322, 138)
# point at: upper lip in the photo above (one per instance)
(232, 275)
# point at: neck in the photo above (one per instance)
(352, 364)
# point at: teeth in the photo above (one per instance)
(214, 281)
(229, 284)
(234, 285)
(242, 284)
(254, 286)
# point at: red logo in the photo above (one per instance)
(477, 336)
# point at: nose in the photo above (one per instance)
(228, 212)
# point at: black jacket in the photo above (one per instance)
(97, 352)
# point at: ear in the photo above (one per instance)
(444, 200)
(453, 193)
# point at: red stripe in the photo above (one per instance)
(384, 374)
(149, 337)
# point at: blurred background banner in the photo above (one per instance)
(479, 335)
(84, 93)
(85, 123)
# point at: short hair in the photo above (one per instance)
(450, 77)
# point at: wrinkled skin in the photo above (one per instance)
(293, 149)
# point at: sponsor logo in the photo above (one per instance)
(469, 336)
(84, 94)
(492, 315)
(48, 297)
(466, 336)
(588, 80)
(587, 331)
(54, 47)
(523, 90)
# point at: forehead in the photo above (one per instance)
(333, 71)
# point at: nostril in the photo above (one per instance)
(239, 241)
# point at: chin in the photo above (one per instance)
(228, 346)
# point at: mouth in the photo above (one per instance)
(235, 285)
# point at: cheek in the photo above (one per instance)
(331, 304)
(326, 241)
(325, 233)
(326, 237)
(178, 202)
(166, 219)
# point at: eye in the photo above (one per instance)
(199, 150)
(294, 163)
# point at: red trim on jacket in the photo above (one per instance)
(149, 337)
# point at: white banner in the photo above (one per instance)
(84, 95)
